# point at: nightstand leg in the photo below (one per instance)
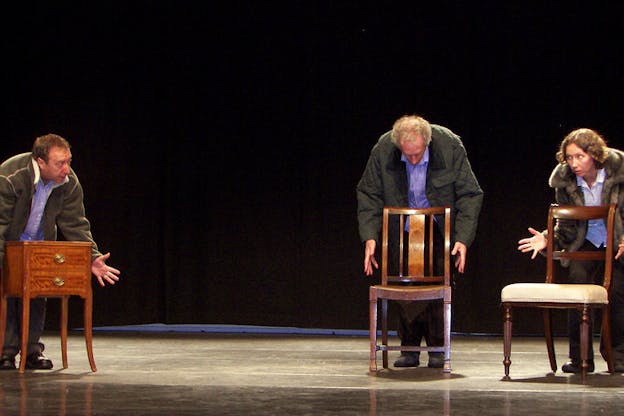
(64, 313)
(25, 330)
(3, 312)
(88, 328)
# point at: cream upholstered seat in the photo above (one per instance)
(553, 292)
(549, 295)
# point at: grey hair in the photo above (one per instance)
(406, 126)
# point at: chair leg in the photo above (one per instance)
(384, 331)
(507, 328)
(64, 308)
(372, 329)
(88, 329)
(549, 339)
(447, 337)
(585, 340)
(606, 338)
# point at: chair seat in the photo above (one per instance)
(406, 292)
(554, 293)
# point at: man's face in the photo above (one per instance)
(413, 148)
(57, 167)
(581, 163)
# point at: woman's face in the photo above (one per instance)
(581, 163)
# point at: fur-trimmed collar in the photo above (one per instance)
(563, 177)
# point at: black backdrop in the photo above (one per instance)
(219, 145)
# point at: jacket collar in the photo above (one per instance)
(37, 174)
(436, 158)
(36, 171)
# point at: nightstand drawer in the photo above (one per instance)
(58, 283)
(59, 259)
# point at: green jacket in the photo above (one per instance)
(450, 181)
(63, 212)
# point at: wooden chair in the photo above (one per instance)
(553, 295)
(418, 264)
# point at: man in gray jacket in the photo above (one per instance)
(40, 193)
(418, 164)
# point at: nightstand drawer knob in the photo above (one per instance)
(58, 281)
(59, 258)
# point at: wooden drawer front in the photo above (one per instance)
(62, 258)
(41, 281)
(60, 270)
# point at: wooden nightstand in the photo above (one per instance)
(47, 269)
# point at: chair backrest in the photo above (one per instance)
(410, 237)
(561, 213)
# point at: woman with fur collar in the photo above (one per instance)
(588, 173)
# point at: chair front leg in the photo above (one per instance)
(447, 337)
(585, 340)
(384, 331)
(507, 328)
(373, 332)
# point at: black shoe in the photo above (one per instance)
(408, 359)
(7, 363)
(37, 361)
(436, 360)
(575, 367)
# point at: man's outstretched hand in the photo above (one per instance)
(104, 273)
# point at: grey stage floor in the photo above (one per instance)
(264, 374)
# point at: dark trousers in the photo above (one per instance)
(12, 335)
(418, 320)
(592, 272)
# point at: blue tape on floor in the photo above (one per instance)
(232, 329)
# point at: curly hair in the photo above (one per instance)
(589, 141)
(407, 125)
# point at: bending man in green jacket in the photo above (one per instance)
(40, 194)
(418, 164)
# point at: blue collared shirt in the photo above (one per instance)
(596, 230)
(417, 180)
(34, 226)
